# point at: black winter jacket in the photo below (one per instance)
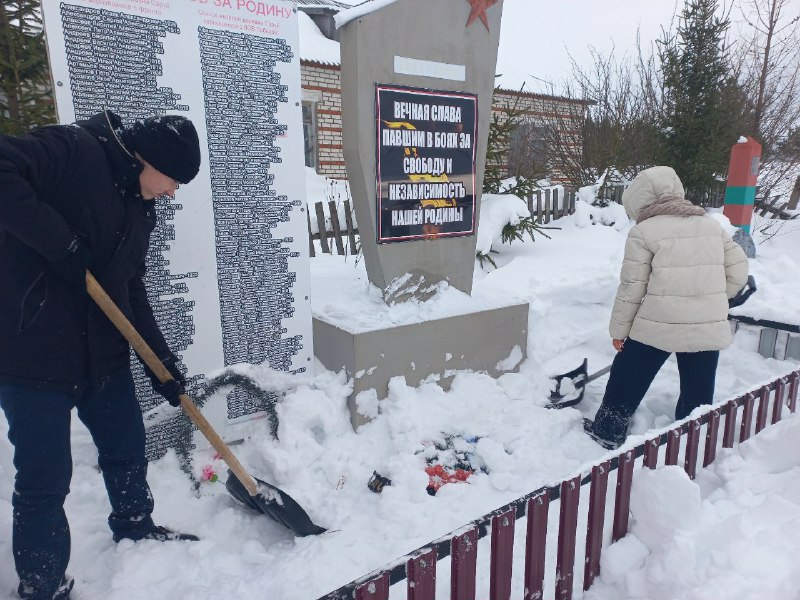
(55, 183)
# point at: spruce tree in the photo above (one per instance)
(25, 92)
(702, 111)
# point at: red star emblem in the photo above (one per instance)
(478, 11)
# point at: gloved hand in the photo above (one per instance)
(172, 389)
(73, 265)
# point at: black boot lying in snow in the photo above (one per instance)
(162, 534)
(588, 427)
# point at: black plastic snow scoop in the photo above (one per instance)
(258, 495)
(580, 377)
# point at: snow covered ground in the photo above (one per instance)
(740, 528)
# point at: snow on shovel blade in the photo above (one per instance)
(573, 384)
(276, 504)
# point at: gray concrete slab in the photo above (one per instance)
(489, 341)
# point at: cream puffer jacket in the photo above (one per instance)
(677, 276)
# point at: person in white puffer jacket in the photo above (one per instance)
(679, 271)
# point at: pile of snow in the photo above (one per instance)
(613, 215)
(732, 533)
(497, 211)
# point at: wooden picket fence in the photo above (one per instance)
(544, 205)
(342, 238)
(418, 568)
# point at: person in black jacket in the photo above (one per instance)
(73, 198)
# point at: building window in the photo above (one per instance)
(528, 152)
(310, 133)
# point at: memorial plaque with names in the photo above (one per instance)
(227, 270)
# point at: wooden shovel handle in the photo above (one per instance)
(124, 326)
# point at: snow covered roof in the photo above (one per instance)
(314, 46)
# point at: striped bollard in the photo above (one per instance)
(740, 192)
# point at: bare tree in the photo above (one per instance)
(769, 56)
(613, 130)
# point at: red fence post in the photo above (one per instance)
(567, 529)
(673, 445)
(763, 408)
(692, 444)
(623, 496)
(421, 575)
(651, 454)
(597, 517)
(794, 383)
(464, 552)
(777, 404)
(502, 556)
(374, 589)
(535, 546)
(730, 424)
(747, 418)
(712, 433)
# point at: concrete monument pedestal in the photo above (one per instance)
(492, 341)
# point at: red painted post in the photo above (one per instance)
(777, 404)
(730, 424)
(747, 417)
(794, 383)
(535, 545)
(651, 454)
(623, 496)
(464, 552)
(421, 576)
(597, 517)
(502, 556)
(692, 445)
(763, 408)
(673, 446)
(374, 589)
(712, 433)
(740, 192)
(567, 529)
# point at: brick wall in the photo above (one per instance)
(322, 84)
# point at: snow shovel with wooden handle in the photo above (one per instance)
(255, 493)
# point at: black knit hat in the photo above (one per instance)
(169, 144)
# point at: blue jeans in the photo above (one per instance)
(39, 429)
(632, 372)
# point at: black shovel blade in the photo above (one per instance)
(578, 377)
(276, 504)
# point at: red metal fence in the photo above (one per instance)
(418, 568)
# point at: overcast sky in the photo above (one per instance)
(539, 35)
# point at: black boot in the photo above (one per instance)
(162, 534)
(588, 427)
(62, 593)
